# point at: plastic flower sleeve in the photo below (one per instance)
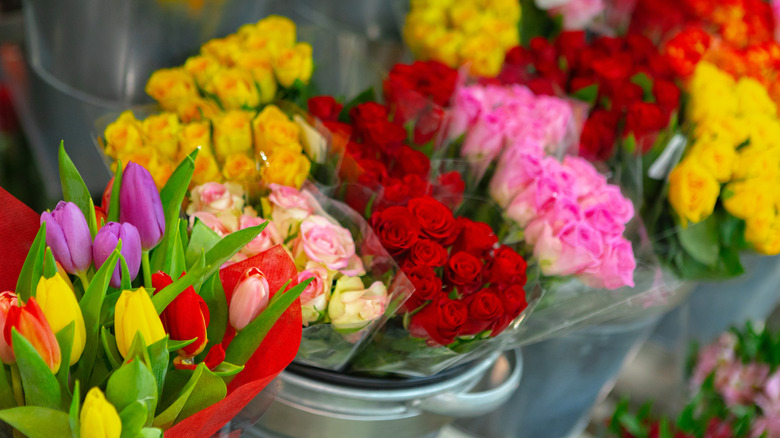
(328, 343)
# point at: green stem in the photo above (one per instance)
(147, 269)
(84, 281)
(16, 380)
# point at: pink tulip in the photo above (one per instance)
(250, 297)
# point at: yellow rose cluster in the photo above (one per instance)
(241, 71)
(235, 145)
(456, 32)
(737, 145)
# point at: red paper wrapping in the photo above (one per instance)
(275, 353)
(18, 226)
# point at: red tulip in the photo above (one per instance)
(7, 300)
(29, 321)
(187, 317)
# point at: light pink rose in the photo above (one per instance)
(289, 208)
(210, 220)
(288, 198)
(466, 109)
(575, 248)
(589, 180)
(485, 139)
(769, 399)
(556, 116)
(609, 196)
(615, 269)
(739, 383)
(515, 171)
(267, 238)
(353, 307)
(216, 198)
(579, 14)
(560, 213)
(327, 243)
(314, 299)
(602, 219)
(713, 355)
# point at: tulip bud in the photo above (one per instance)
(29, 320)
(105, 243)
(101, 217)
(67, 233)
(140, 205)
(58, 303)
(135, 313)
(7, 300)
(352, 306)
(250, 297)
(185, 318)
(99, 418)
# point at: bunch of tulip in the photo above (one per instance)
(111, 355)
(237, 145)
(458, 32)
(348, 294)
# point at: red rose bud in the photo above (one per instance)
(435, 218)
(569, 44)
(426, 252)
(325, 108)
(464, 269)
(518, 56)
(409, 161)
(185, 318)
(513, 298)
(449, 189)
(384, 135)
(427, 286)
(507, 266)
(366, 114)
(428, 125)
(597, 142)
(624, 94)
(485, 308)
(439, 321)
(29, 320)
(475, 238)
(667, 95)
(396, 228)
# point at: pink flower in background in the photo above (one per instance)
(325, 242)
(314, 299)
(615, 269)
(713, 356)
(216, 198)
(589, 180)
(468, 106)
(576, 247)
(578, 14)
(268, 238)
(622, 209)
(516, 170)
(210, 220)
(288, 198)
(738, 383)
(557, 117)
(484, 139)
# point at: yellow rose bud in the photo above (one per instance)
(206, 170)
(726, 129)
(758, 228)
(508, 10)
(712, 93)
(757, 161)
(748, 198)
(467, 17)
(763, 129)
(235, 88)
(753, 98)
(59, 304)
(123, 135)
(280, 29)
(505, 32)
(99, 418)
(239, 167)
(445, 47)
(196, 109)
(485, 55)
(260, 67)
(353, 306)
(170, 85)
(717, 157)
(692, 192)
(135, 313)
(272, 134)
(193, 136)
(202, 68)
(222, 49)
(293, 64)
(286, 167)
(232, 133)
(162, 131)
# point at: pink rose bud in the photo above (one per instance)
(250, 297)
(268, 238)
(216, 198)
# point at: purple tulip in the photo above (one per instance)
(140, 205)
(105, 243)
(68, 236)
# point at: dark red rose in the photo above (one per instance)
(543, 52)
(427, 286)
(439, 321)
(617, 68)
(610, 46)
(644, 118)
(667, 95)
(395, 192)
(358, 151)
(518, 56)
(428, 125)
(449, 189)
(411, 162)
(435, 218)
(396, 228)
(383, 134)
(339, 129)
(476, 238)
(418, 186)
(597, 142)
(569, 44)
(464, 269)
(514, 300)
(427, 252)
(641, 48)
(485, 308)
(507, 266)
(580, 82)
(624, 94)
(325, 108)
(437, 81)
(511, 74)
(372, 173)
(368, 112)
(542, 86)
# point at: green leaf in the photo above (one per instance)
(150, 432)
(125, 273)
(175, 259)
(646, 82)
(215, 258)
(535, 22)
(32, 268)
(226, 369)
(65, 340)
(587, 94)
(40, 386)
(6, 390)
(74, 409)
(202, 240)
(112, 215)
(109, 346)
(91, 219)
(133, 382)
(137, 350)
(175, 345)
(701, 241)
(172, 196)
(133, 418)
(49, 264)
(73, 188)
(366, 96)
(248, 340)
(159, 359)
(209, 389)
(167, 418)
(27, 419)
(214, 296)
(91, 305)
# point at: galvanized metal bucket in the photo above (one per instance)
(308, 407)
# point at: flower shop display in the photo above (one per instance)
(95, 343)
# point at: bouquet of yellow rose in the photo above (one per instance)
(93, 349)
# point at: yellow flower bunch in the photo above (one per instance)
(456, 32)
(737, 144)
(236, 145)
(240, 71)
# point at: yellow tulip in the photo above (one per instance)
(99, 418)
(135, 313)
(693, 191)
(293, 64)
(58, 303)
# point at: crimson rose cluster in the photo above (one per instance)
(626, 78)
(465, 284)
